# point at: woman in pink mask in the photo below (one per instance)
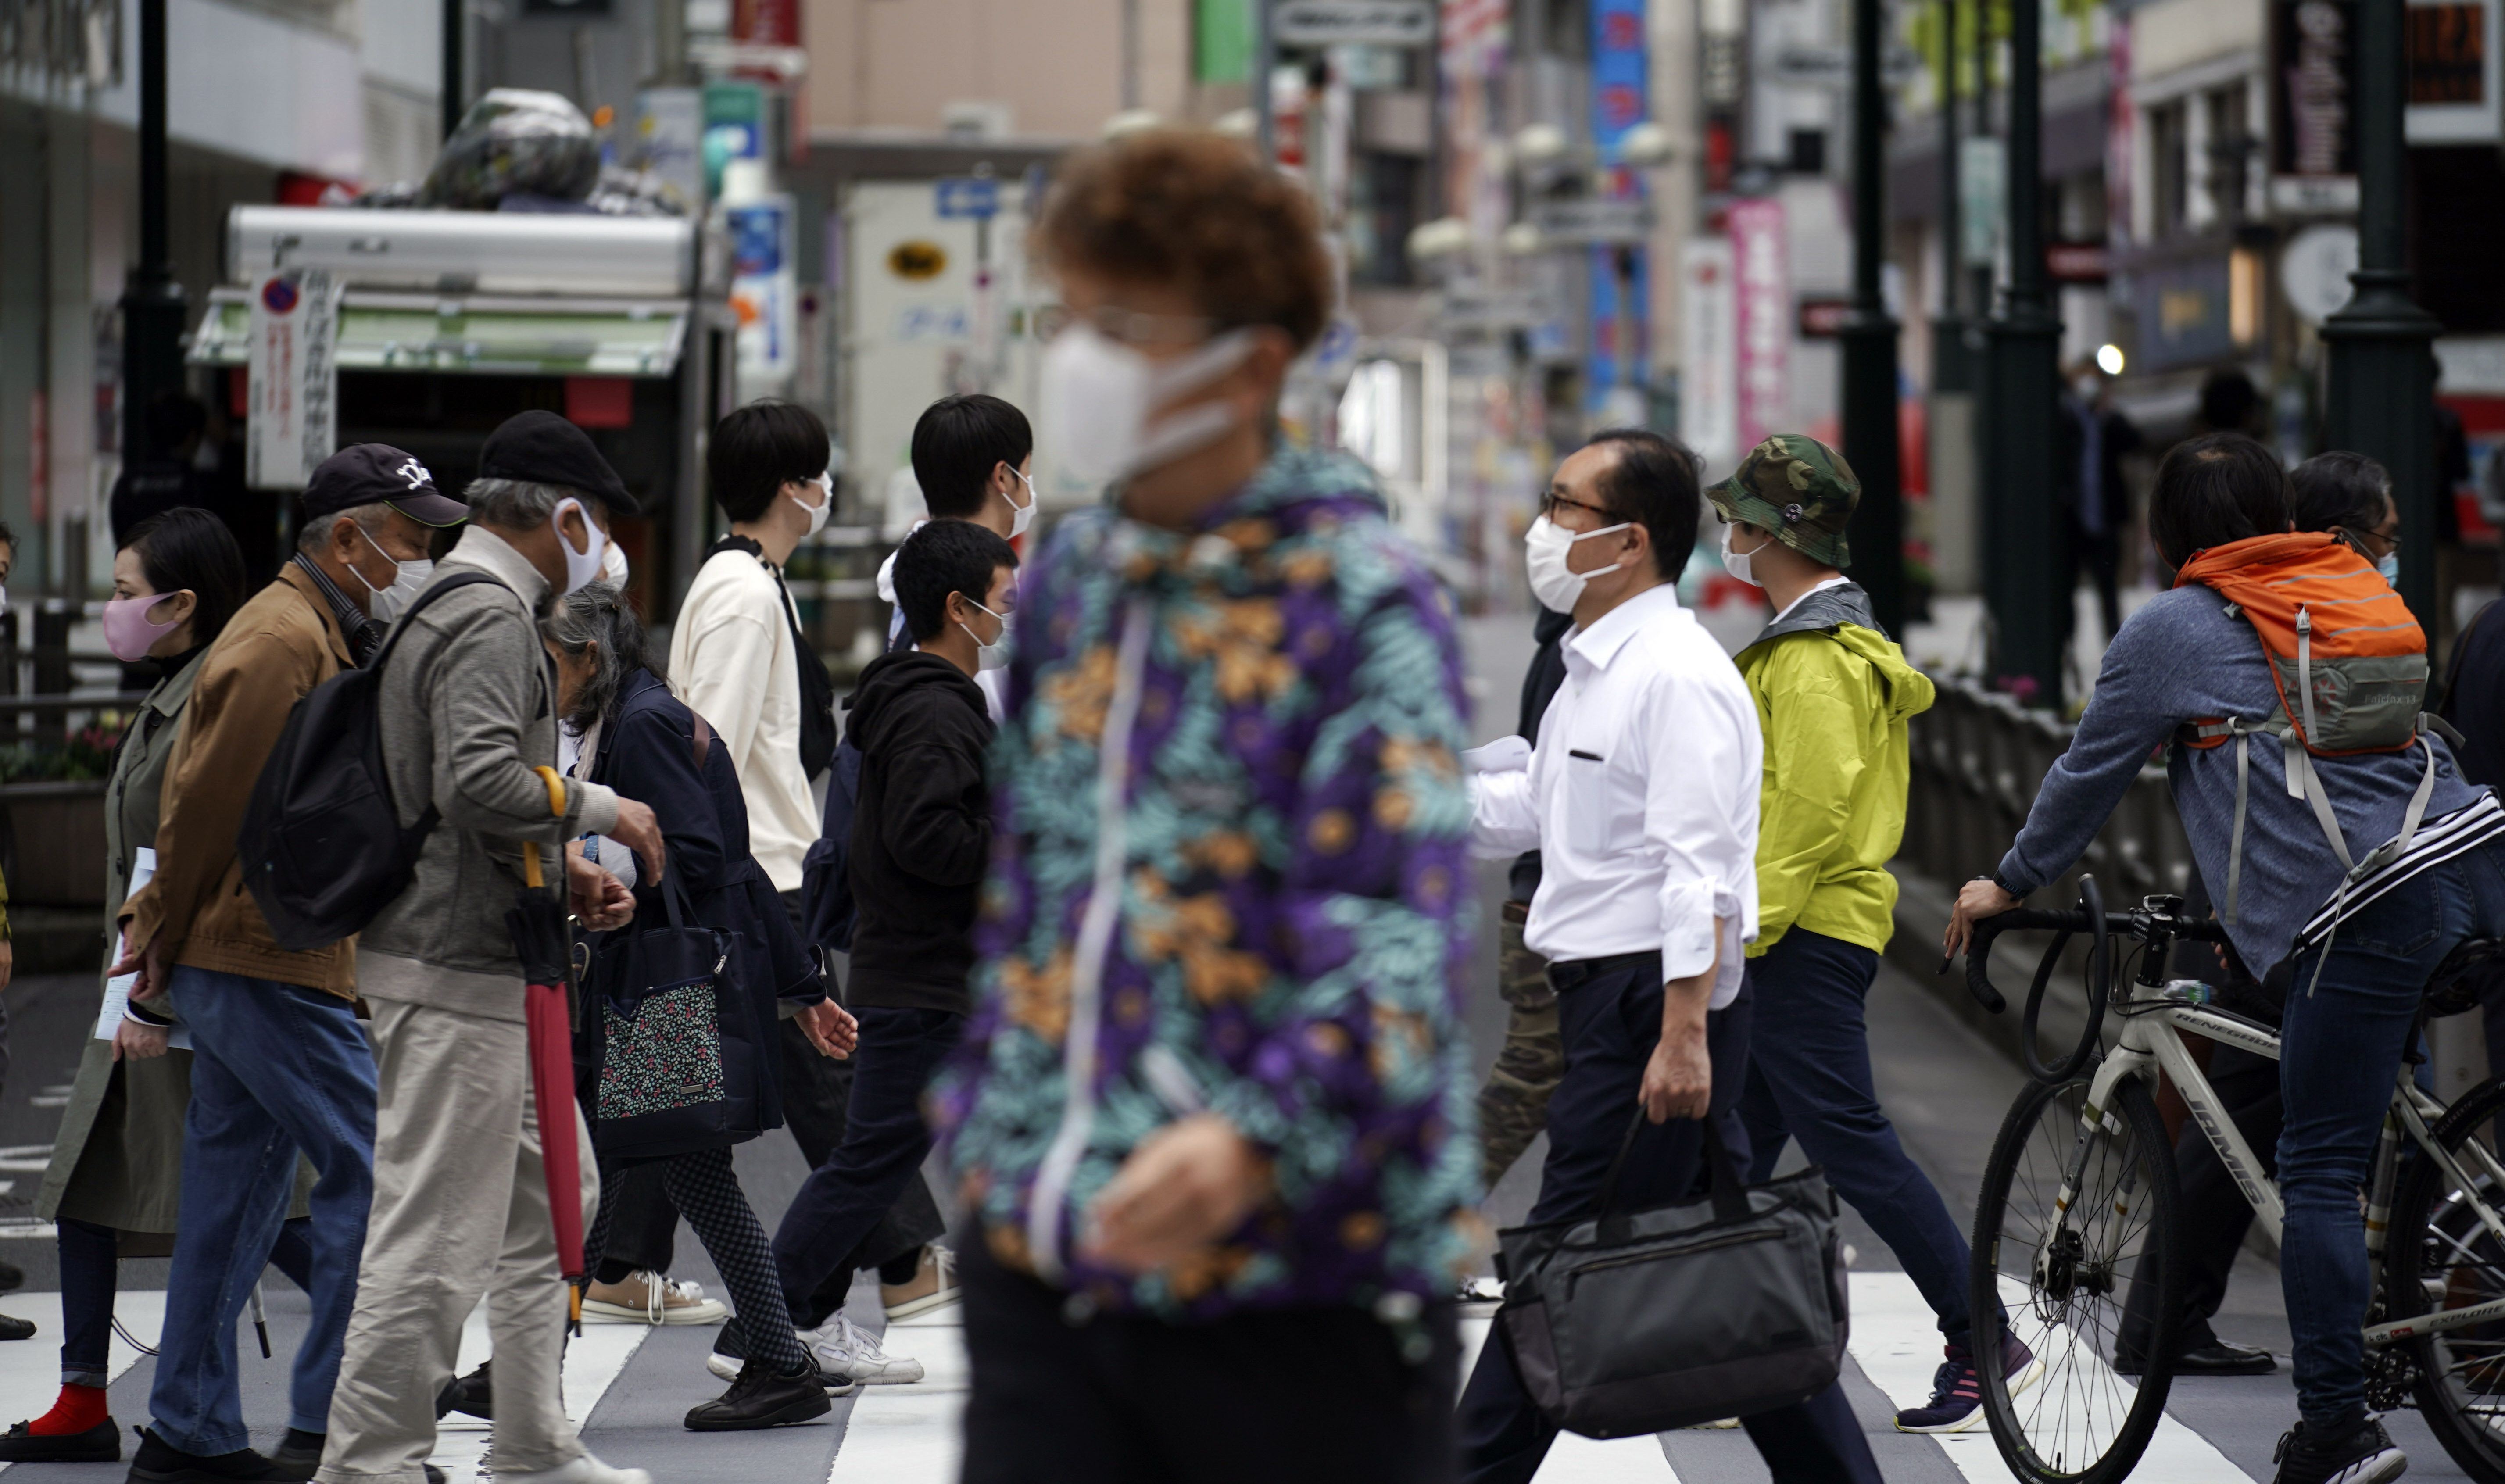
(114, 1178)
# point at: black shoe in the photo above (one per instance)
(2221, 1359)
(2358, 1453)
(299, 1454)
(434, 1475)
(759, 1399)
(99, 1444)
(159, 1461)
(13, 1327)
(470, 1393)
(11, 1278)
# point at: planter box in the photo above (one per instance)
(53, 850)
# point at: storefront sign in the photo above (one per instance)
(1708, 366)
(2454, 72)
(2314, 96)
(1762, 280)
(2184, 313)
(294, 373)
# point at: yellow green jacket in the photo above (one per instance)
(1833, 695)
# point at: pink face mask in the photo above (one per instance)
(127, 633)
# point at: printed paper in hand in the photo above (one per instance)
(117, 990)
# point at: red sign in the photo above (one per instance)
(2077, 262)
(766, 22)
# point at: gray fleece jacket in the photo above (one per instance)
(2180, 658)
(469, 708)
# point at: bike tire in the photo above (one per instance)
(2071, 1418)
(2435, 1241)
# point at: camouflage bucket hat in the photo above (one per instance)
(1798, 488)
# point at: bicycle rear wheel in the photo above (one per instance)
(2066, 1278)
(2443, 1258)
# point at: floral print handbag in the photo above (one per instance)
(661, 1087)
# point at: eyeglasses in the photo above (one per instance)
(1130, 327)
(1552, 501)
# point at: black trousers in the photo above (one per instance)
(2215, 1214)
(1309, 1395)
(1610, 1021)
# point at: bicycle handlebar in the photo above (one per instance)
(2135, 925)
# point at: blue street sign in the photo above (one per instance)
(969, 195)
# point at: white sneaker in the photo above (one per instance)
(585, 1470)
(843, 1349)
(650, 1298)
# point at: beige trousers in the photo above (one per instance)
(461, 1210)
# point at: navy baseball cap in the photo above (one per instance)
(378, 474)
(543, 449)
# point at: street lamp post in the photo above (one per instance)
(456, 49)
(151, 302)
(2383, 373)
(2024, 575)
(1877, 533)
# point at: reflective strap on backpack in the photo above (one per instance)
(2382, 854)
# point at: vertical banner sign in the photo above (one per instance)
(1619, 93)
(2120, 147)
(1762, 318)
(1708, 362)
(764, 290)
(2314, 115)
(293, 375)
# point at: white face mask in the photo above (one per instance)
(825, 485)
(613, 564)
(1021, 516)
(1739, 563)
(581, 567)
(2389, 564)
(996, 655)
(388, 603)
(1545, 544)
(1099, 396)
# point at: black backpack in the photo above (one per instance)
(825, 871)
(322, 847)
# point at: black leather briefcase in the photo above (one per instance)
(1636, 1321)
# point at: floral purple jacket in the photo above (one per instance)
(1229, 873)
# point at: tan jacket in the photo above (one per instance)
(277, 648)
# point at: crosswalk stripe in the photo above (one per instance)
(1896, 1343)
(593, 1362)
(911, 1434)
(1574, 1459)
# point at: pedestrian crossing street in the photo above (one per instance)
(626, 1382)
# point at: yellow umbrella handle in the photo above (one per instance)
(531, 877)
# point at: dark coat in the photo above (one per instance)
(648, 753)
(921, 832)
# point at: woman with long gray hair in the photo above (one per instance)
(681, 1093)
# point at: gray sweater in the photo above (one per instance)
(2181, 658)
(469, 708)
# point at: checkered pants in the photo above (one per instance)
(706, 1190)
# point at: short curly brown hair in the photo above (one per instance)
(1199, 211)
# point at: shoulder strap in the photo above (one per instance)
(391, 640)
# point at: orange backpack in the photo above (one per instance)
(2350, 662)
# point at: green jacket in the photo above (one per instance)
(1833, 695)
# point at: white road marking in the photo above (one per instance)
(25, 1157)
(31, 1369)
(1574, 1458)
(911, 1434)
(1896, 1342)
(593, 1362)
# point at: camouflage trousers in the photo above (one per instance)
(1513, 1104)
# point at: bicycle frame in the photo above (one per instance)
(2144, 1048)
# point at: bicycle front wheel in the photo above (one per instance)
(2443, 1258)
(2074, 1240)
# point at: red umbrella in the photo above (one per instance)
(538, 923)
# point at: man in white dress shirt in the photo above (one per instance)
(1642, 800)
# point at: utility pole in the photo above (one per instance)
(1266, 60)
(455, 52)
(151, 303)
(2383, 371)
(1877, 534)
(2024, 580)
(1948, 326)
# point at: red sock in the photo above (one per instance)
(80, 1408)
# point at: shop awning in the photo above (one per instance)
(474, 334)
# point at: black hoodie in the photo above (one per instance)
(921, 832)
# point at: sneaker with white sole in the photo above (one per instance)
(844, 1349)
(933, 1286)
(1956, 1391)
(644, 1297)
(2358, 1453)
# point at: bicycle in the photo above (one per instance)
(2075, 1236)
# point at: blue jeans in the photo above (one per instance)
(2340, 1053)
(278, 1070)
(1809, 1079)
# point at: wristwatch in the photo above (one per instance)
(1996, 879)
